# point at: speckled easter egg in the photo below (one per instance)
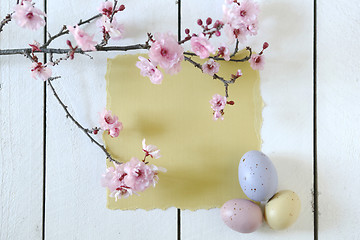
(241, 215)
(257, 176)
(282, 210)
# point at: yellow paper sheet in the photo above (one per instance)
(201, 155)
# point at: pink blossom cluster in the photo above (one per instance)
(148, 69)
(166, 52)
(110, 123)
(108, 23)
(132, 177)
(208, 30)
(200, 43)
(27, 15)
(240, 19)
(218, 104)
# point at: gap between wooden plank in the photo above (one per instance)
(315, 187)
(44, 133)
(179, 39)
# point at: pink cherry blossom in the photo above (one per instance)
(148, 69)
(218, 115)
(210, 67)
(114, 29)
(224, 52)
(107, 120)
(248, 10)
(113, 179)
(28, 16)
(201, 46)
(239, 33)
(227, 14)
(218, 102)
(139, 175)
(115, 129)
(166, 52)
(82, 39)
(38, 70)
(151, 150)
(257, 61)
(252, 27)
(110, 123)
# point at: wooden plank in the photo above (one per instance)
(75, 201)
(287, 132)
(21, 135)
(338, 116)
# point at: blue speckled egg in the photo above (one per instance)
(257, 176)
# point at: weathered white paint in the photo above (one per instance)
(286, 86)
(75, 201)
(338, 117)
(21, 136)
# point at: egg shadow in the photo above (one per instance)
(295, 172)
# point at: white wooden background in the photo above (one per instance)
(50, 172)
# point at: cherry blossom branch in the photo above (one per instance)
(67, 50)
(226, 82)
(86, 131)
(64, 31)
(107, 49)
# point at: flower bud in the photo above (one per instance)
(68, 43)
(265, 46)
(199, 22)
(217, 33)
(208, 21)
(187, 31)
(122, 7)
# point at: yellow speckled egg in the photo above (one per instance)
(282, 210)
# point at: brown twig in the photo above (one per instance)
(236, 48)
(225, 82)
(114, 11)
(63, 30)
(5, 21)
(86, 131)
(222, 59)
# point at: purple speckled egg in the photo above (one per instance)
(257, 176)
(241, 215)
